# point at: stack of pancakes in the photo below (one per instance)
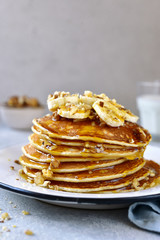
(85, 151)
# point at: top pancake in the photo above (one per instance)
(130, 134)
(76, 143)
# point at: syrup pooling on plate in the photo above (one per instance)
(89, 143)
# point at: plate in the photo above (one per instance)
(10, 180)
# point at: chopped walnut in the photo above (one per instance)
(142, 135)
(47, 173)
(100, 149)
(56, 188)
(52, 147)
(152, 173)
(12, 167)
(88, 93)
(25, 212)
(45, 142)
(50, 95)
(16, 161)
(56, 116)
(101, 104)
(28, 232)
(45, 184)
(54, 164)
(87, 145)
(39, 178)
(86, 150)
(60, 94)
(5, 216)
(135, 184)
(5, 229)
(131, 140)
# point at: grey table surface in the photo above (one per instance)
(53, 222)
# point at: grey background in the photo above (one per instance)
(101, 45)
(74, 45)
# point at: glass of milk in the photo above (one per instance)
(148, 103)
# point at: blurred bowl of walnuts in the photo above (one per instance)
(19, 111)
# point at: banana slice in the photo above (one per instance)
(125, 113)
(53, 104)
(79, 111)
(107, 114)
(112, 113)
(89, 98)
(61, 99)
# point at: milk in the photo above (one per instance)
(149, 110)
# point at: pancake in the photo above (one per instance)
(73, 143)
(100, 174)
(148, 182)
(100, 185)
(131, 134)
(95, 186)
(69, 166)
(38, 155)
(57, 150)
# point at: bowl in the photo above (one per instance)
(20, 118)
